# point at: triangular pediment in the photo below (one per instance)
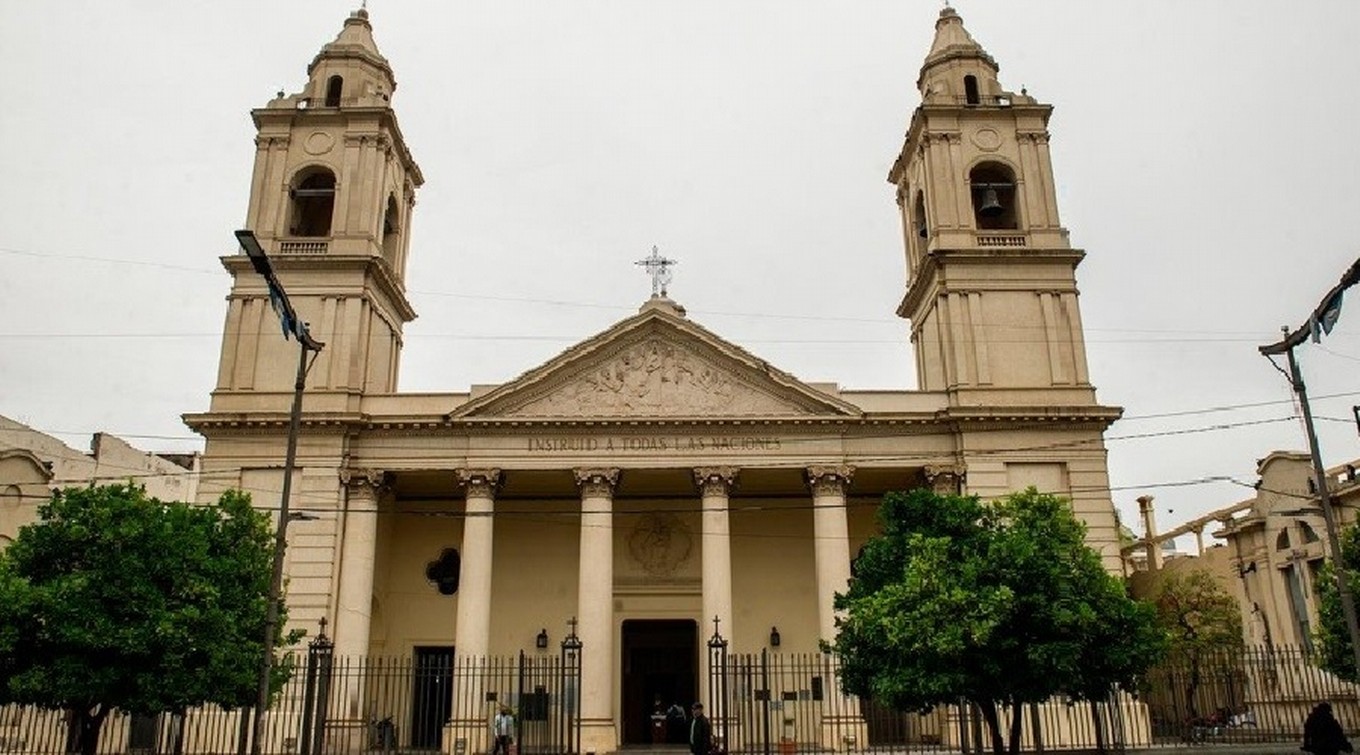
(655, 365)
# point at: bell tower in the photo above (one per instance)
(991, 291)
(331, 199)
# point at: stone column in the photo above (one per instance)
(471, 638)
(354, 594)
(831, 553)
(595, 608)
(944, 479)
(831, 540)
(715, 485)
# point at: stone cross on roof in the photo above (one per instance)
(660, 269)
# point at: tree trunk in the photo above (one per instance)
(1017, 718)
(989, 714)
(89, 721)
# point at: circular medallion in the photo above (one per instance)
(318, 143)
(660, 542)
(987, 139)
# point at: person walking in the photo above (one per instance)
(1322, 733)
(503, 728)
(700, 732)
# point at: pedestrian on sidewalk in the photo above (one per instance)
(1322, 733)
(700, 732)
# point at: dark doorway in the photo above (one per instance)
(432, 697)
(660, 662)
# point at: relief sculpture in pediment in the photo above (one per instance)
(655, 377)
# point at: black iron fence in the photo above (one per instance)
(431, 701)
(788, 703)
(760, 703)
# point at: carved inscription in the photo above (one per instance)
(639, 443)
(655, 378)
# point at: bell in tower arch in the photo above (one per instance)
(991, 203)
(992, 185)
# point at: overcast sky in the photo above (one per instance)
(1205, 152)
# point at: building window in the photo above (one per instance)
(993, 188)
(1282, 541)
(1309, 536)
(313, 204)
(970, 90)
(334, 86)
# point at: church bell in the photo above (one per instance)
(991, 204)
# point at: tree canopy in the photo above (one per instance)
(1198, 613)
(993, 602)
(117, 600)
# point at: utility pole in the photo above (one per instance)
(1323, 318)
(294, 327)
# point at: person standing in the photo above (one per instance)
(1322, 733)
(503, 728)
(700, 732)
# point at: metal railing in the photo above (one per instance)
(786, 703)
(431, 701)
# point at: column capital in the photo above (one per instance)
(715, 480)
(482, 482)
(372, 481)
(945, 479)
(829, 478)
(596, 481)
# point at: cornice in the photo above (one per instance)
(1003, 418)
(375, 268)
(928, 274)
(949, 419)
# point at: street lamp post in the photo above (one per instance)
(292, 327)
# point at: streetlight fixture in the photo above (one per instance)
(292, 328)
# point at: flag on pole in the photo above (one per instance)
(1322, 321)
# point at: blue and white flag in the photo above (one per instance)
(1322, 324)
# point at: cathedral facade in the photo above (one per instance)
(654, 478)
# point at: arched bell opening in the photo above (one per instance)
(391, 232)
(313, 200)
(918, 216)
(992, 186)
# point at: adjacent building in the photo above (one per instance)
(33, 464)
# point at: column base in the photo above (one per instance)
(598, 736)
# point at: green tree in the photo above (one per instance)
(1332, 636)
(993, 603)
(1203, 623)
(115, 600)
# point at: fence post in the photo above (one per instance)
(320, 658)
(571, 690)
(717, 686)
(765, 687)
